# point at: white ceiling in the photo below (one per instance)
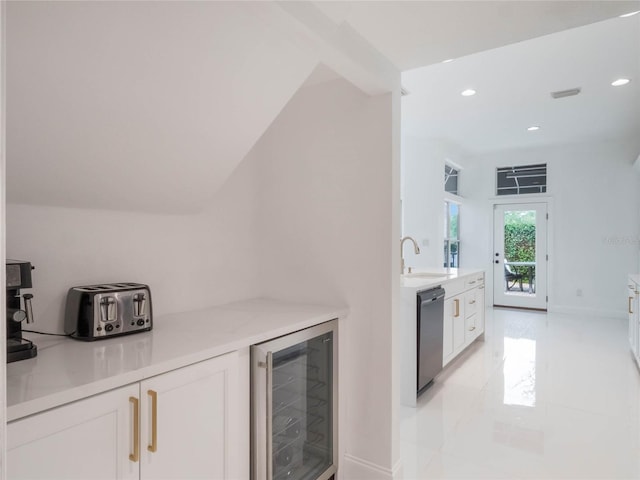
(514, 53)
(417, 33)
(514, 84)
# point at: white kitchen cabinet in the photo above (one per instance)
(189, 425)
(470, 333)
(480, 307)
(447, 331)
(453, 327)
(195, 433)
(463, 315)
(88, 439)
(634, 319)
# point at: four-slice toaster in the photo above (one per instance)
(95, 312)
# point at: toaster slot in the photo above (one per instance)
(108, 311)
(139, 304)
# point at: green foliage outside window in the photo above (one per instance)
(520, 236)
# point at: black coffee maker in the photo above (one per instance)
(18, 277)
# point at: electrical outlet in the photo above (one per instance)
(579, 292)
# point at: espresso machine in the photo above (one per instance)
(18, 278)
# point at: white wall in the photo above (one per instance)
(423, 199)
(329, 230)
(189, 261)
(594, 224)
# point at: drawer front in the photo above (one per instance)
(470, 328)
(471, 302)
(473, 281)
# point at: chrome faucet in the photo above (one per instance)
(416, 250)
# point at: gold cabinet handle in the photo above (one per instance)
(135, 456)
(457, 305)
(472, 282)
(471, 329)
(471, 302)
(154, 421)
(630, 300)
(481, 287)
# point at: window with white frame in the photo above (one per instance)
(451, 234)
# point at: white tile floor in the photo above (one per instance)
(545, 396)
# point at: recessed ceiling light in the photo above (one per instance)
(533, 128)
(468, 92)
(619, 82)
(631, 14)
(447, 60)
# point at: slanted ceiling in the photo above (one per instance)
(144, 106)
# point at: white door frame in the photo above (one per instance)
(523, 200)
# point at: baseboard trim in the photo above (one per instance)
(590, 312)
(354, 468)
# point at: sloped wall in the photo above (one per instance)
(141, 106)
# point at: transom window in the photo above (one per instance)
(521, 180)
(450, 179)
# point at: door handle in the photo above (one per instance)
(154, 421)
(135, 456)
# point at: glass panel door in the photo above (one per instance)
(520, 255)
(302, 409)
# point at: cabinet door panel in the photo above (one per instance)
(195, 422)
(447, 331)
(88, 439)
(480, 310)
(458, 323)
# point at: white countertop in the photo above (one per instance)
(414, 284)
(66, 370)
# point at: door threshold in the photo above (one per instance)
(521, 308)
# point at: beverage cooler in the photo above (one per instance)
(294, 405)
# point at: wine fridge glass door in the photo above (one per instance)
(299, 408)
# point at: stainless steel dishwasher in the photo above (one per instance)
(430, 314)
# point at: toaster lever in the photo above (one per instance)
(139, 301)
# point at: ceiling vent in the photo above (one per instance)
(566, 93)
